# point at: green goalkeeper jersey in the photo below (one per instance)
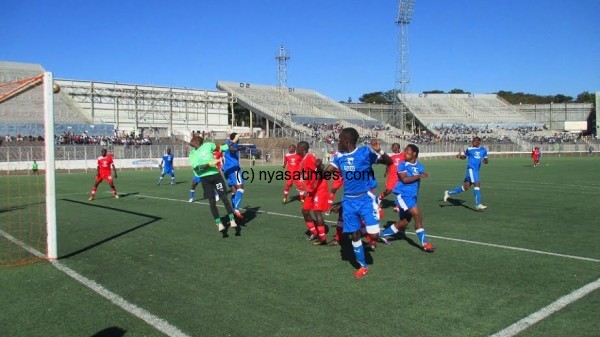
(202, 156)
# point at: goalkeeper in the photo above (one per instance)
(205, 167)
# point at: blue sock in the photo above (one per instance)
(457, 190)
(192, 193)
(477, 194)
(237, 203)
(390, 231)
(159, 180)
(421, 235)
(359, 252)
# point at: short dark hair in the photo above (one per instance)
(303, 145)
(476, 138)
(414, 148)
(232, 135)
(351, 133)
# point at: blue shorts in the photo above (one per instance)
(359, 209)
(196, 179)
(234, 177)
(472, 176)
(406, 202)
(168, 170)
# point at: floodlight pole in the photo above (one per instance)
(282, 85)
(405, 14)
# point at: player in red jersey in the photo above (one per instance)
(291, 163)
(397, 157)
(316, 194)
(536, 154)
(105, 163)
(338, 182)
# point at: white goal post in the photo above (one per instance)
(51, 240)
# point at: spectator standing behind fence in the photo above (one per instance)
(34, 168)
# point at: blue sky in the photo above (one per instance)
(341, 48)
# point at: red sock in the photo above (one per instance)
(370, 240)
(94, 191)
(338, 233)
(114, 190)
(322, 235)
(311, 227)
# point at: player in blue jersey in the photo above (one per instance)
(406, 190)
(233, 173)
(475, 155)
(167, 167)
(359, 203)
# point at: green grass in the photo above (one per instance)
(167, 257)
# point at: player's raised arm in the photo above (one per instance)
(383, 157)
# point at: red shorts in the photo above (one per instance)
(316, 201)
(391, 182)
(108, 178)
(299, 185)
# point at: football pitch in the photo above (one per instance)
(152, 264)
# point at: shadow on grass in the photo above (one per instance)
(113, 331)
(293, 199)
(456, 203)
(249, 215)
(151, 218)
(10, 209)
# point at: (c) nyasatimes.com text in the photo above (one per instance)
(270, 176)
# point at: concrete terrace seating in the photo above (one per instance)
(27, 107)
(294, 106)
(462, 108)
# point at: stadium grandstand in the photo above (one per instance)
(458, 117)
(20, 104)
(103, 113)
(305, 114)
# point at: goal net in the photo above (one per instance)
(27, 193)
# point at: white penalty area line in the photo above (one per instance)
(431, 236)
(543, 313)
(153, 320)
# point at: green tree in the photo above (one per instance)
(434, 92)
(458, 91)
(585, 97)
(373, 97)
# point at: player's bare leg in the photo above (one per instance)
(113, 189)
(237, 200)
(310, 225)
(94, 188)
(286, 191)
(359, 253)
(416, 214)
(477, 194)
(320, 222)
